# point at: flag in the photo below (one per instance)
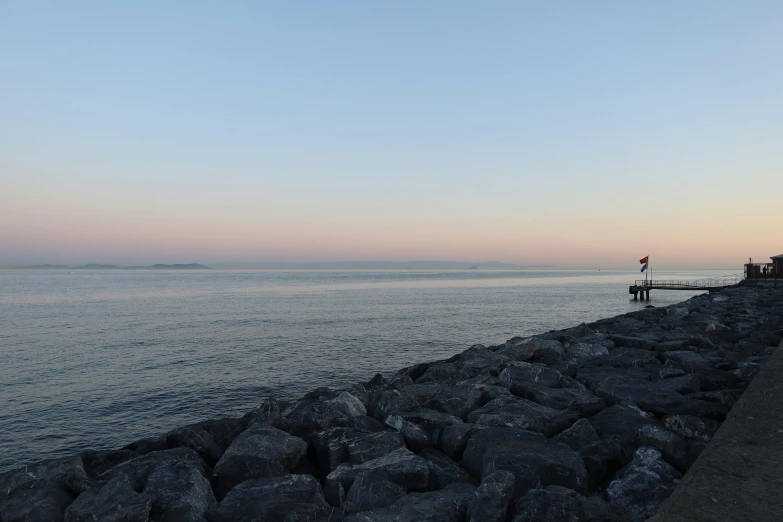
(644, 260)
(644, 267)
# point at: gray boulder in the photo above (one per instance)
(370, 491)
(455, 437)
(401, 466)
(179, 493)
(336, 446)
(551, 504)
(515, 412)
(491, 499)
(643, 485)
(529, 456)
(259, 451)
(115, 501)
(320, 410)
(574, 400)
(445, 505)
(522, 373)
(443, 470)
(199, 440)
(581, 433)
(583, 351)
(273, 499)
(454, 400)
(691, 427)
(622, 421)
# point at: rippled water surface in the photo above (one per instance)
(97, 359)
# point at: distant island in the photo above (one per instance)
(385, 265)
(96, 266)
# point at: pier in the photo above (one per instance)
(641, 287)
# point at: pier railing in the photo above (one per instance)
(709, 283)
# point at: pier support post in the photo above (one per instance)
(648, 294)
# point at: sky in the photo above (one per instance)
(566, 133)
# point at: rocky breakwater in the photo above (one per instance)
(597, 422)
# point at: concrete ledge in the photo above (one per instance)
(739, 476)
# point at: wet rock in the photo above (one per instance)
(548, 352)
(522, 373)
(684, 384)
(199, 440)
(259, 451)
(528, 455)
(443, 470)
(320, 412)
(689, 361)
(690, 427)
(626, 358)
(746, 371)
(401, 466)
(445, 505)
(749, 347)
(713, 379)
(518, 349)
(371, 491)
(491, 499)
(643, 485)
(334, 493)
(579, 434)
(454, 400)
(727, 397)
(148, 445)
(622, 421)
(291, 497)
(416, 437)
(98, 462)
(138, 469)
(116, 501)
(225, 430)
(673, 448)
(602, 459)
(667, 373)
(179, 493)
(431, 421)
(671, 346)
(337, 446)
(582, 403)
(515, 412)
(633, 342)
(455, 437)
(551, 504)
(583, 351)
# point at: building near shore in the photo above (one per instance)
(765, 270)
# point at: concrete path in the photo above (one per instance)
(739, 476)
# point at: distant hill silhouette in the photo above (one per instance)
(96, 266)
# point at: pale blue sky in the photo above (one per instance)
(516, 131)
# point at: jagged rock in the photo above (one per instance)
(371, 491)
(689, 361)
(148, 445)
(625, 358)
(179, 493)
(272, 499)
(336, 446)
(727, 397)
(455, 438)
(518, 349)
(691, 427)
(421, 427)
(673, 447)
(673, 345)
(522, 373)
(97, 462)
(444, 371)
(579, 434)
(199, 440)
(515, 412)
(583, 351)
(321, 411)
(551, 504)
(685, 384)
(559, 504)
(643, 485)
(491, 499)
(747, 371)
(601, 459)
(225, 430)
(116, 501)
(416, 437)
(633, 342)
(624, 422)
(454, 400)
(445, 505)
(259, 451)
(749, 347)
(549, 351)
(528, 455)
(138, 469)
(567, 367)
(582, 403)
(713, 379)
(401, 466)
(667, 373)
(443, 470)
(334, 493)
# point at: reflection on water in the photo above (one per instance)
(100, 358)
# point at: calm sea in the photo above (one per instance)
(97, 359)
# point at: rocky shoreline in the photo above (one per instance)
(596, 422)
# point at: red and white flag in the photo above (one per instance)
(644, 260)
